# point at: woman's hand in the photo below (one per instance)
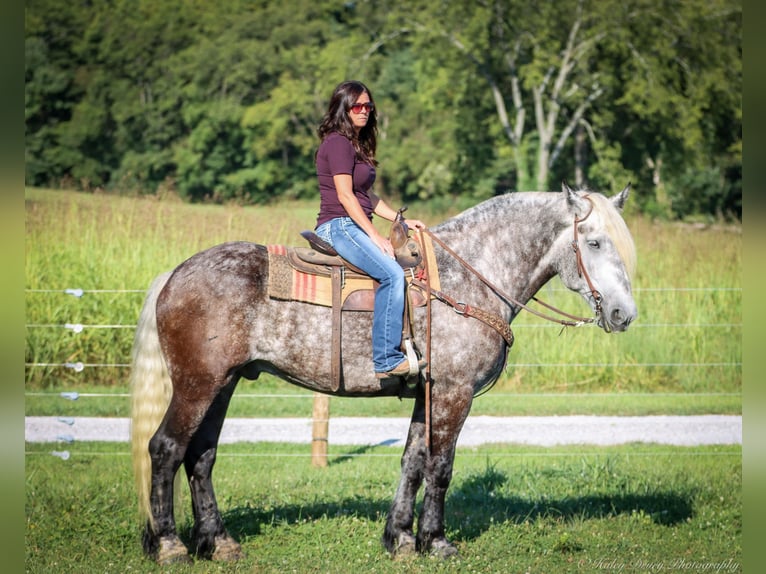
(384, 243)
(415, 224)
(382, 209)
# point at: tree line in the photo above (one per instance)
(219, 102)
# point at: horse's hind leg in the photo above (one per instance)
(398, 537)
(211, 540)
(189, 417)
(166, 450)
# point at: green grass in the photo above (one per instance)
(683, 354)
(509, 509)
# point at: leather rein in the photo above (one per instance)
(574, 320)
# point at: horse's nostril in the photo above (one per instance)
(621, 319)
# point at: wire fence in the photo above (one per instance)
(79, 328)
(79, 366)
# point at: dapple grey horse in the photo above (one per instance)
(210, 322)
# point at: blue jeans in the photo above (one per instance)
(356, 247)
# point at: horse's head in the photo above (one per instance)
(601, 256)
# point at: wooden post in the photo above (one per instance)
(319, 430)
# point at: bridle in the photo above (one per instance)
(581, 271)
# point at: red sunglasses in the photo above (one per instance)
(357, 108)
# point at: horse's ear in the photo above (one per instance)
(619, 200)
(576, 203)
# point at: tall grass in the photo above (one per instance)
(687, 338)
(100, 242)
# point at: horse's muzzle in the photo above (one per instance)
(618, 319)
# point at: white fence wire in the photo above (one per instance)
(78, 366)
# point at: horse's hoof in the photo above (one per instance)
(226, 549)
(405, 546)
(172, 551)
(443, 549)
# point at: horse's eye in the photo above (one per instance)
(593, 244)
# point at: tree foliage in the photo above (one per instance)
(221, 102)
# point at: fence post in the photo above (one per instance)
(319, 430)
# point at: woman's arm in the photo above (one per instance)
(382, 209)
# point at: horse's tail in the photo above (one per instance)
(151, 390)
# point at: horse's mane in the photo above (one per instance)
(617, 229)
(610, 215)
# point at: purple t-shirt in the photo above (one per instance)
(336, 156)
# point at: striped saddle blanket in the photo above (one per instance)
(299, 274)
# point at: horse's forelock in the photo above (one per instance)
(617, 230)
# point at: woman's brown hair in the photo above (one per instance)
(336, 120)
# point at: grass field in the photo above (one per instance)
(635, 508)
(683, 355)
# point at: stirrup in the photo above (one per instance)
(412, 357)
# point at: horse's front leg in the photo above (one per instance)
(398, 537)
(449, 409)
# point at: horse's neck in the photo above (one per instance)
(508, 240)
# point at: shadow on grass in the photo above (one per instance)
(474, 505)
(359, 451)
